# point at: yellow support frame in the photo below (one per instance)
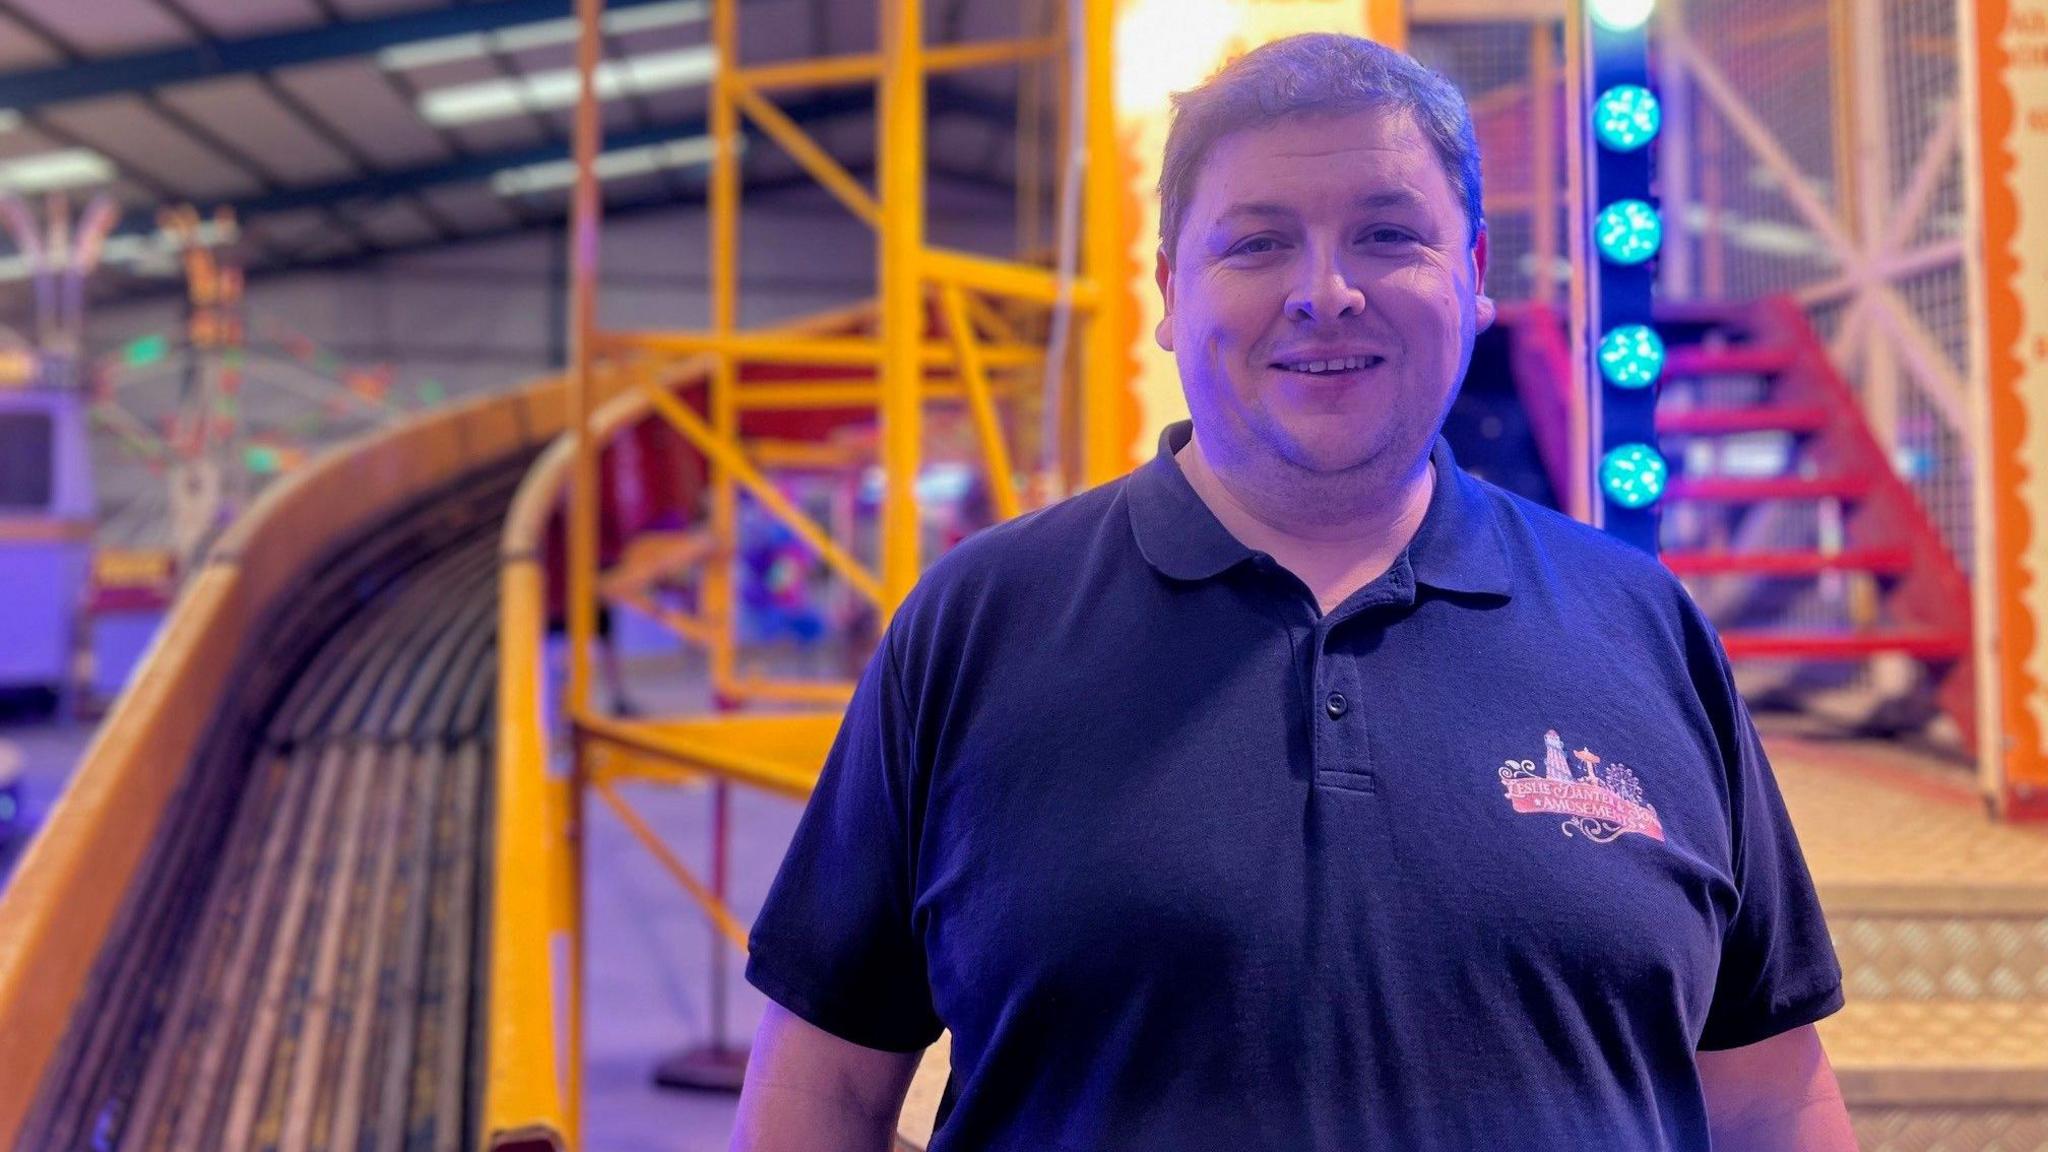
(908, 368)
(983, 359)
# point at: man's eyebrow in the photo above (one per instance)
(1391, 198)
(1262, 208)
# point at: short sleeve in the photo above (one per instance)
(834, 942)
(1778, 968)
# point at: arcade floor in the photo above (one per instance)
(1940, 918)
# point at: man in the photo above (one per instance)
(1211, 808)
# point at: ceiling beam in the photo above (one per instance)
(32, 88)
(479, 167)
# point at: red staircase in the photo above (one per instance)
(1723, 524)
(1922, 602)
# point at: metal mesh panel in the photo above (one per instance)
(1774, 124)
(1920, 77)
(1774, 55)
(1792, 72)
(1491, 64)
(1934, 455)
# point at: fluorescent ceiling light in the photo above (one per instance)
(610, 166)
(520, 37)
(547, 91)
(55, 171)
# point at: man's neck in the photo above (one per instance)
(1334, 554)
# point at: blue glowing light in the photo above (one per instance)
(1632, 356)
(1629, 231)
(1633, 475)
(1626, 117)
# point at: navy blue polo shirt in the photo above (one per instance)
(1480, 859)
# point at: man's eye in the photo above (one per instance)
(1386, 236)
(1254, 246)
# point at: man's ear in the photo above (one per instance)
(1482, 304)
(1162, 274)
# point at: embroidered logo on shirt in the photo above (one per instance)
(1601, 802)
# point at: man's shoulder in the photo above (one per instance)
(1609, 588)
(1545, 544)
(1041, 549)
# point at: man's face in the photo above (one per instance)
(1332, 240)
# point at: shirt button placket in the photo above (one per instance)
(1340, 737)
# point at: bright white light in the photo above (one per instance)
(1620, 15)
(547, 91)
(55, 171)
(1168, 46)
(519, 37)
(610, 166)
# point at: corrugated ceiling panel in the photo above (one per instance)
(105, 27)
(289, 229)
(785, 29)
(678, 104)
(471, 207)
(18, 49)
(266, 131)
(253, 17)
(25, 141)
(448, 74)
(396, 223)
(364, 107)
(498, 135)
(134, 137)
(361, 8)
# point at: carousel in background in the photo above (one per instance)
(119, 469)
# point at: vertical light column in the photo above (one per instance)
(1616, 119)
(900, 241)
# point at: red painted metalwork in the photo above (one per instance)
(1923, 595)
(1731, 421)
(1888, 561)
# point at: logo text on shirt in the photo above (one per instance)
(1601, 802)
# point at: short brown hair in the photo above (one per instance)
(1316, 73)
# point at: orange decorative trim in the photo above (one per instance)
(2008, 470)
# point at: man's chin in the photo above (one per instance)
(1330, 455)
(1346, 444)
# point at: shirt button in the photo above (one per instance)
(1336, 705)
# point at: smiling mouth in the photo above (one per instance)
(1329, 367)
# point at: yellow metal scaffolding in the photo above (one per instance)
(981, 353)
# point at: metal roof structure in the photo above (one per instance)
(341, 130)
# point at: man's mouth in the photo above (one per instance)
(1329, 367)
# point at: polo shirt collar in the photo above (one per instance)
(1458, 547)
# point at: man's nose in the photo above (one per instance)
(1325, 293)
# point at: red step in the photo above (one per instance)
(1786, 563)
(1730, 421)
(1748, 490)
(1843, 645)
(1740, 360)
